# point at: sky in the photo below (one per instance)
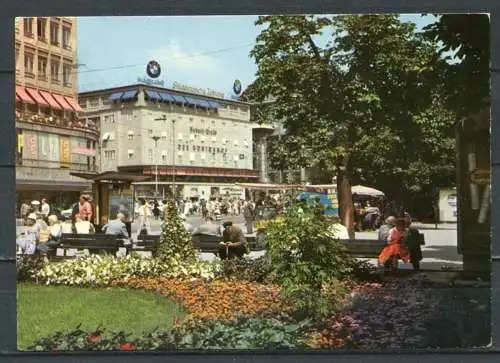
(198, 51)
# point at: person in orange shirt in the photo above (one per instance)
(85, 209)
(395, 249)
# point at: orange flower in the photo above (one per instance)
(127, 346)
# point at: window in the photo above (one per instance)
(42, 67)
(150, 132)
(110, 154)
(28, 27)
(28, 63)
(41, 25)
(94, 102)
(67, 74)
(130, 136)
(164, 157)
(54, 70)
(150, 154)
(164, 135)
(54, 33)
(66, 35)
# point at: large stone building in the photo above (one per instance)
(52, 140)
(200, 144)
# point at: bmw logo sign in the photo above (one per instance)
(237, 87)
(153, 69)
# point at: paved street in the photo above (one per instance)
(440, 249)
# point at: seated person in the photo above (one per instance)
(28, 239)
(414, 240)
(82, 226)
(116, 226)
(383, 231)
(53, 235)
(209, 228)
(234, 243)
(188, 226)
(67, 226)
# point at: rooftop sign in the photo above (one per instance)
(198, 91)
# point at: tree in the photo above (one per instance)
(352, 106)
(465, 60)
(176, 241)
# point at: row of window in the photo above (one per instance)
(57, 32)
(42, 64)
(192, 157)
(164, 136)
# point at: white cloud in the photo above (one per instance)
(195, 68)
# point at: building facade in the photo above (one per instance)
(52, 140)
(195, 145)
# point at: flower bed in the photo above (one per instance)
(219, 300)
(391, 315)
(98, 270)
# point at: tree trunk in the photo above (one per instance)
(345, 202)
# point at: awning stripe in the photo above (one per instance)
(21, 92)
(62, 101)
(37, 97)
(52, 102)
(73, 104)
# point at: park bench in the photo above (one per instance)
(72, 245)
(202, 242)
(368, 248)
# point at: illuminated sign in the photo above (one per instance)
(152, 82)
(153, 69)
(237, 87)
(199, 91)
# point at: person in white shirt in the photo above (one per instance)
(188, 226)
(45, 208)
(144, 215)
(67, 226)
(82, 226)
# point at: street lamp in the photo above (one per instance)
(164, 118)
(156, 138)
(173, 158)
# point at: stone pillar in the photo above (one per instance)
(263, 161)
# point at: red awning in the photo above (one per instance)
(37, 97)
(73, 104)
(21, 93)
(62, 101)
(52, 102)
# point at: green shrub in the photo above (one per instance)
(245, 269)
(98, 270)
(175, 240)
(304, 257)
(28, 266)
(245, 333)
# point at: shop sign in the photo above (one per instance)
(84, 151)
(203, 131)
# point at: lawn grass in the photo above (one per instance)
(43, 310)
